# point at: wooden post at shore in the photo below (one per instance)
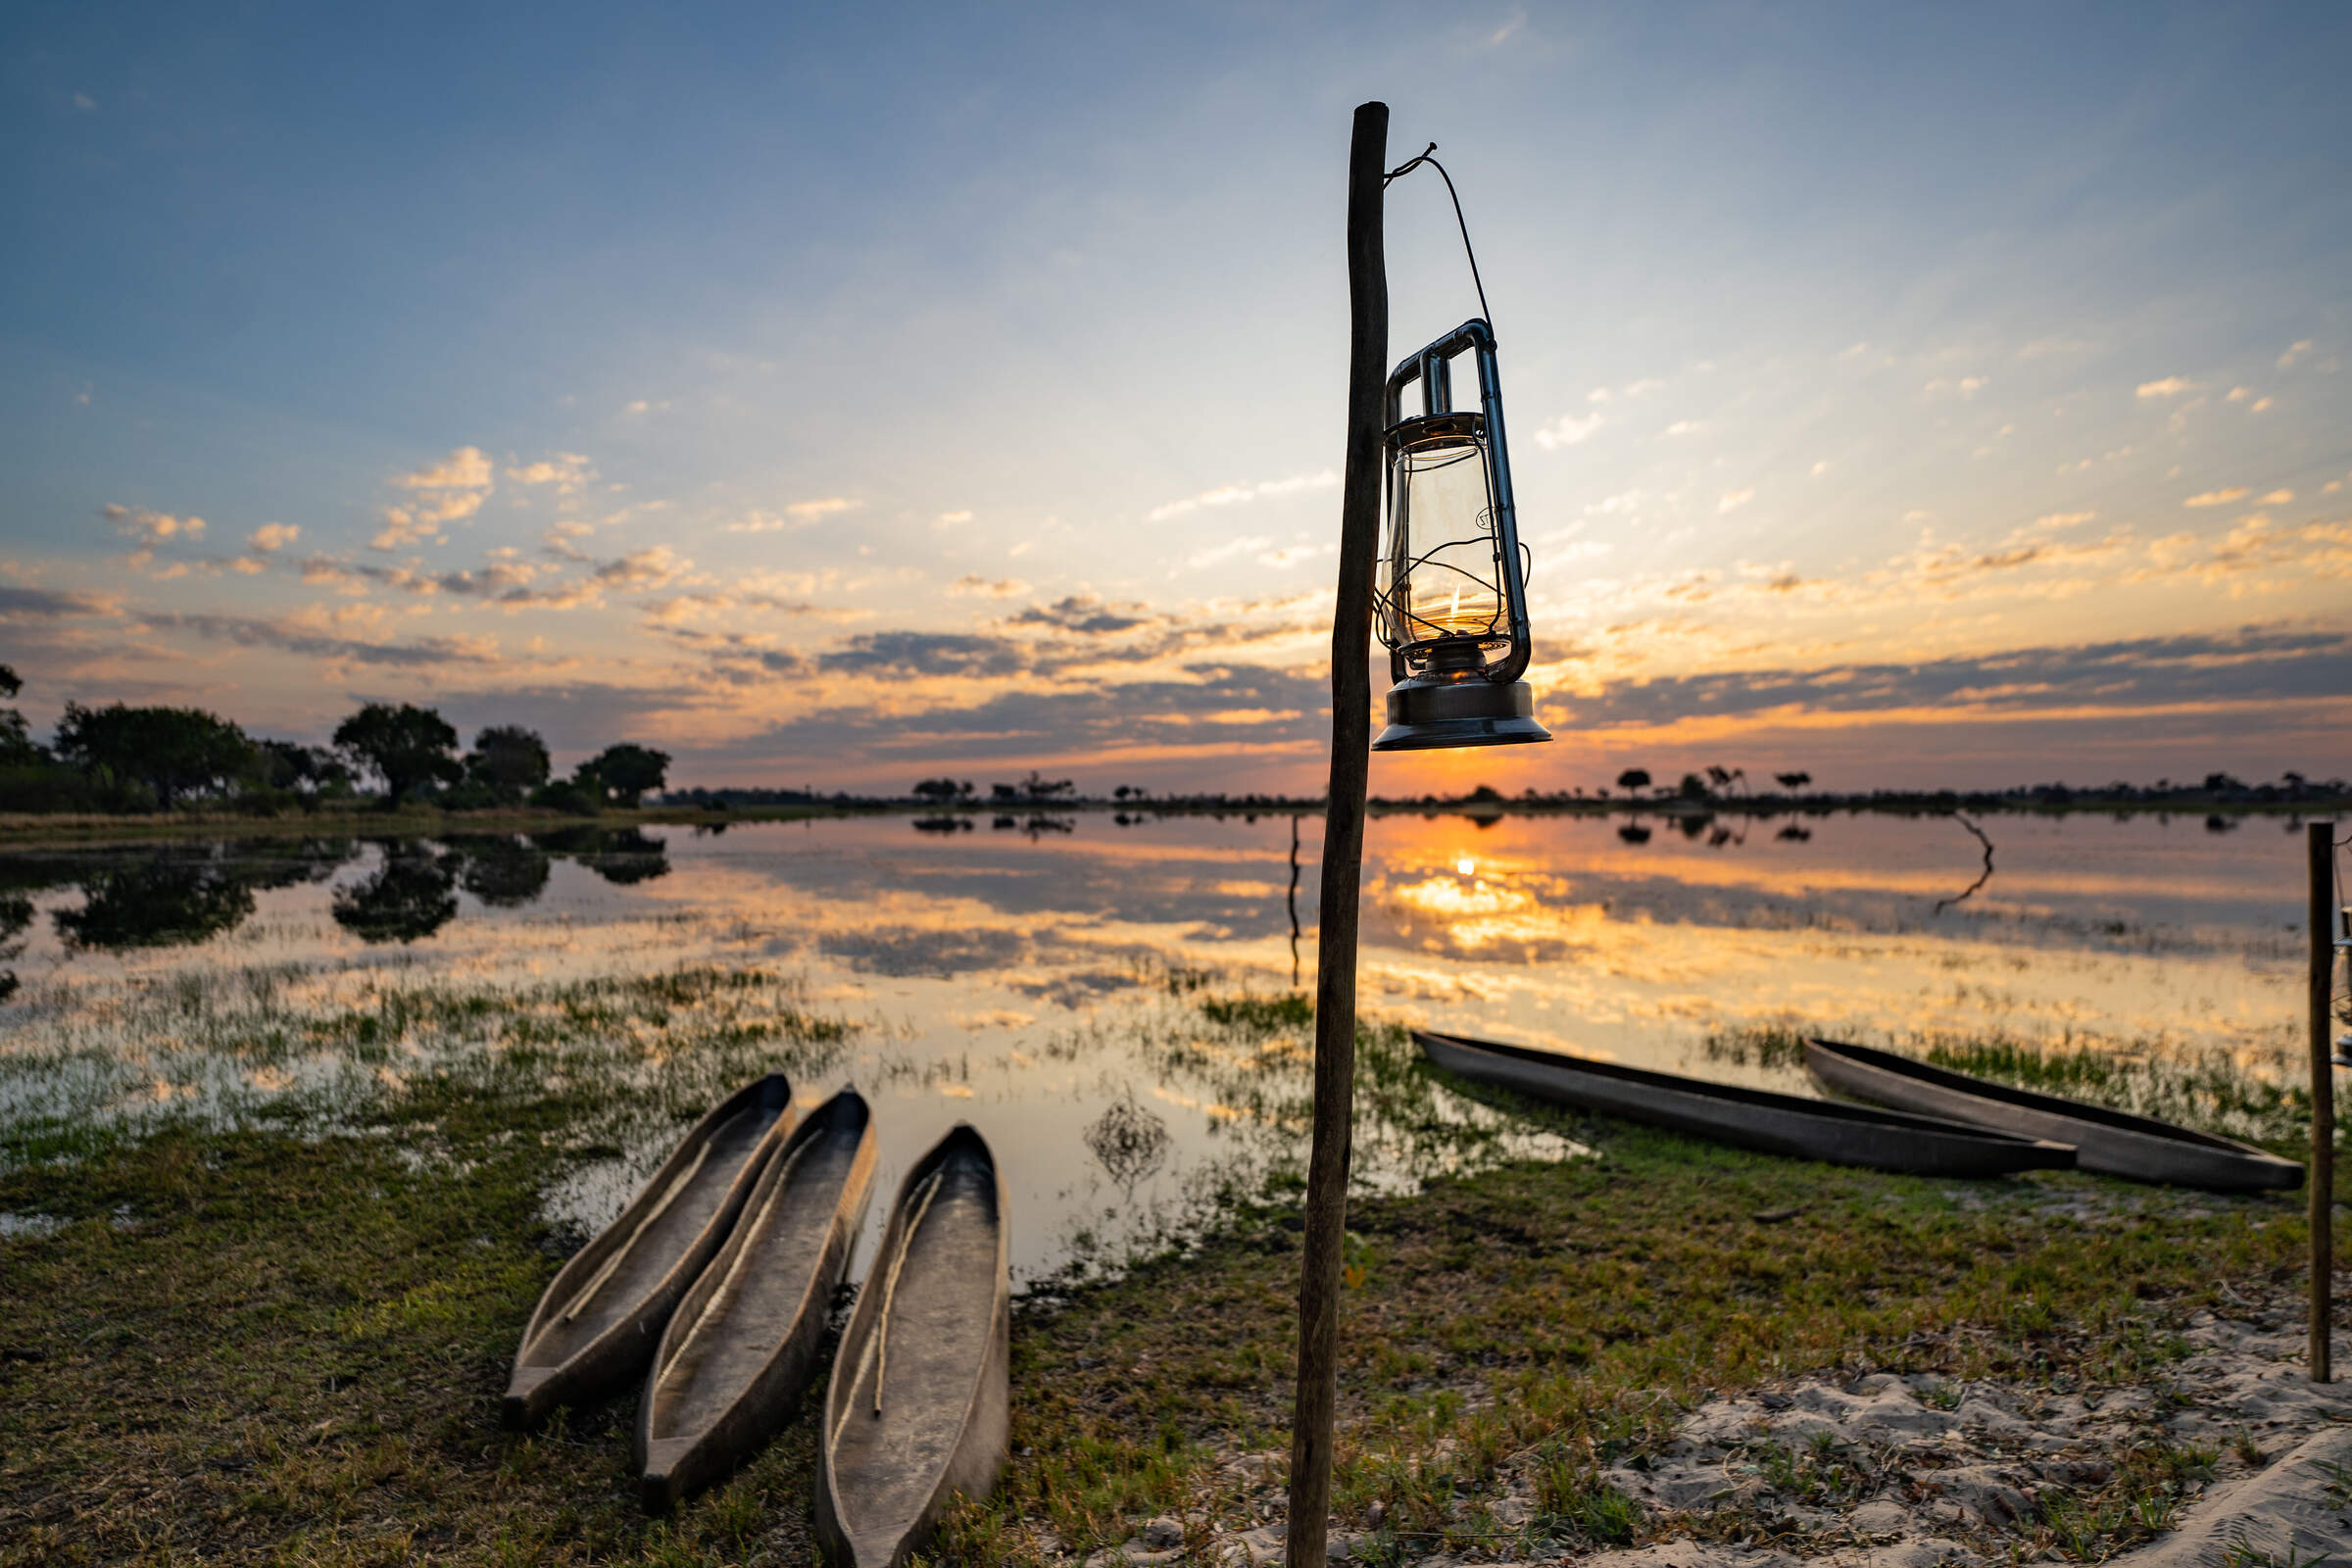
(2321, 837)
(1311, 1421)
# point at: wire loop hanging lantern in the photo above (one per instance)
(1451, 589)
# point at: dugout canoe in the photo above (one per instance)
(921, 1399)
(1750, 1118)
(736, 1357)
(2115, 1143)
(595, 1329)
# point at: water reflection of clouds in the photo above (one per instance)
(1036, 985)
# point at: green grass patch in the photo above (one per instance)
(262, 1341)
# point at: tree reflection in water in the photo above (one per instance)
(621, 855)
(16, 914)
(185, 894)
(410, 896)
(505, 870)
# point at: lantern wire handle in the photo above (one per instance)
(1407, 168)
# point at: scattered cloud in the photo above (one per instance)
(402, 528)
(1686, 427)
(466, 468)
(1568, 429)
(2294, 352)
(271, 536)
(151, 528)
(1215, 555)
(43, 604)
(974, 587)
(654, 566)
(2149, 672)
(313, 638)
(85, 102)
(797, 514)
(1734, 501)
(2217, 498)
(1084, 612)
(566, 470)
(950, 519)
(2277, 498)
(1237, 494)
(2172, 387)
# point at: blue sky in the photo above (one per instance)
(843, 393)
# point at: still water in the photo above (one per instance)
(1046, 977)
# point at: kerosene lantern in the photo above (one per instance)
(1452, 583)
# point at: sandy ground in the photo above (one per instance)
(1919, 1473)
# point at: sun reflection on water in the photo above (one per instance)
(1033, 983)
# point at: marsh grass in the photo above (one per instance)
(275, 1337)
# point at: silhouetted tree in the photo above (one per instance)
(508, 760)
(292, 765)
(627, 770)
(1693, 788)
(407, 745)
(173, 751)
(1633, 778)
(1794, 781)
(1044, 789)
(16, 740)
(942, 790)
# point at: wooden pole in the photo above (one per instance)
(2320, 838)
(1343, 848)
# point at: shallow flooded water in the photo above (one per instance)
(1105, 996)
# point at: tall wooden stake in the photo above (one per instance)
(1343, 848)
(2321, 837)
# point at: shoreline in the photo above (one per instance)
(32, 830)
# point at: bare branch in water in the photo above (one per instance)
(1982, 877)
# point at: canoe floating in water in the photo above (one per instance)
(2115, 1143)
(920, 1406)
(1751, 1118)
(736, 1357)
(595, 1329)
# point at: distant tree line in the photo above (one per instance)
(122, 757)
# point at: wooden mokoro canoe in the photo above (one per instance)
(2115, 1143)
(1751, 1118)
(595, 1329)
(920, 1406)
(736, 1357)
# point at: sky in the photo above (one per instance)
(852, 395)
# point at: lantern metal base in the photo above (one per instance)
(1427, 713)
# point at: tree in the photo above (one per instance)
(1794, 781)
(628, 770)
(292, 765)
(409, 746)
(16, 741)
(173, 751)
(508, 760)
(1045, 789)
(1693, 788)
(942, 790)
(1633, 778)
